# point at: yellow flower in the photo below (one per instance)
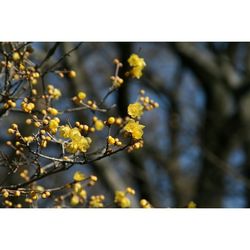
(121, 200)
(136, 72)
(135, 61)
(65, 131)
(137, 65)
(74, 133)
(53, 125)
(99, 125)
(135, 110)
(78, 142)
(83, 143)
(78, 176)
(134, 128)
(72, 147)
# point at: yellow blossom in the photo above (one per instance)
(78, 176)
(72, 147)
(136, 72)
(83, 143)
(137, 65)
(53, 125)
(99, 125)
(121, 200)
(65, 131)
(78, 142)
(111, 140)
(134, 128)
(135, 61)
(135, 110)
(74, 133)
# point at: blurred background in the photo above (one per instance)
(197, 143)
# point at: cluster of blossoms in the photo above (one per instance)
(135, 111)
(77, 141)
(22, 67)
(34, 160)
(137, 64)
(54, 93)
(121, 197)
(27, 106)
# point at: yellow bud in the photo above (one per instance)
(71, 74)
(92, 129)
(37, 124)
(156, 105)
(85, 127)
(5, 194)
(111, 140)
(83, 194)
(93, 178)
(81, 95)
(53, 111)
(34, 81)
(74, 200)
(48, 194)
(79, 176)
(34, 91)
(16, 56)
(17, 193)
(28, 121)
(111, 120)
(6, 105)
(11, 131)
(28, 200)
(14, 126)
(44, 196)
